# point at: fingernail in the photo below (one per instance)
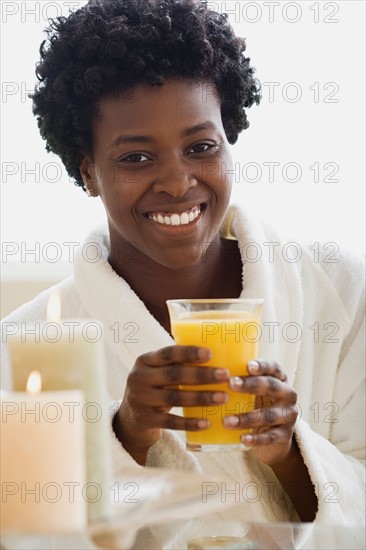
(236, 383)
(247, 439)
(231, 420)
(253, 366)
(203, 353)
(220, 397)
(203, 424)
(221, 374)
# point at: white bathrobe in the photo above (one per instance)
(312, 326)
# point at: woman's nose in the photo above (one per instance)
(174, 178)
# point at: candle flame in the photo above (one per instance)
(54, 306)
(34, 383)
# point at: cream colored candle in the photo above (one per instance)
(69, 355)
(42, 462)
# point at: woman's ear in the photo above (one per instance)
(89, 173)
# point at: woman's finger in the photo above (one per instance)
(263, 418)
(175, 373)
(174, 397)
(273, 436)
(162, 420)
(175, 354)
(265, 386)
(262, 367)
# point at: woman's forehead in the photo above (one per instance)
(182, 102)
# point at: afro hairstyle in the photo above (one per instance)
(109, 46)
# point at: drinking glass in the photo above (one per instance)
(230, 328)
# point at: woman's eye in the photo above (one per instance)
(135, 158)
(201, 147)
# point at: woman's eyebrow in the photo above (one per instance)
(206, 125)
(133, 138)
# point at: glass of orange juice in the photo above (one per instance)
(230, 328)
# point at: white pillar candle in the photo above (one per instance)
(42, 462)
(69, 355)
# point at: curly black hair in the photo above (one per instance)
(110, 46)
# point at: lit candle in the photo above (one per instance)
(69, 355)
(42, 460)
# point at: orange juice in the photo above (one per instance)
(233, 337)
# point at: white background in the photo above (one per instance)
(309, 54)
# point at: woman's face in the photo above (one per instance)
(162, 168)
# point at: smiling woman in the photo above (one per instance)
(142, 99)
(163, 189)
(158, 168)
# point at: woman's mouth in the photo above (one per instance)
(175, 218)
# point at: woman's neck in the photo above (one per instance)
(216, 275)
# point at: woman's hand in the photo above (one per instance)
(153, 389)
(272, 424)
(273, 420)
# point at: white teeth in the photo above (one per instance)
(184, 218)
(176, 219)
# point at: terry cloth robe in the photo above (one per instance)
(312, 325)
